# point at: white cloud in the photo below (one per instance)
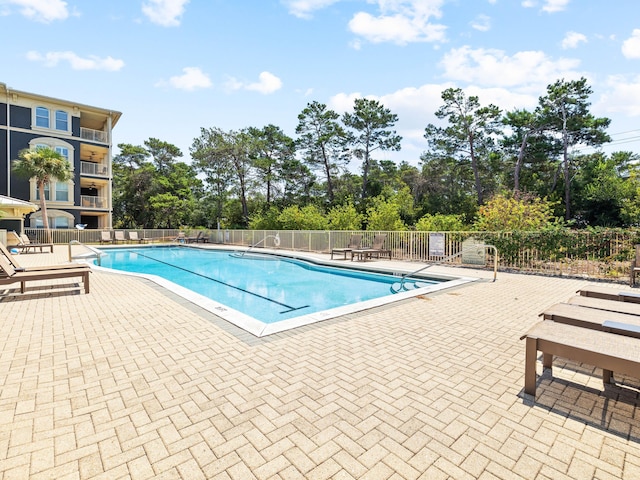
(552, 6)
(164, 12)
(92, 62)
(192, 79)
(305, 8)
(549, 6)
(572, 40)
(400, 22)
(267, 83)
(623, 96)
(416, 106)
(39, 10)
(343, 102)
(397, 21)
(506, 98)
(481, 23)
(233, 83)
(495, 68)
(631, 46)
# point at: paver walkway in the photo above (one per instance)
(130, 382)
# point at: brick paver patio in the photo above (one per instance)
(132, 382)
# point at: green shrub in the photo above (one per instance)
(265, 220)
(309, 217)
(344, 217)
(384, 215)
(441, 222)
(510, 213)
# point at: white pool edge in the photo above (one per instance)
(261, 329)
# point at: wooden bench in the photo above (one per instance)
(608, 351)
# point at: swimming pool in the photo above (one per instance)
(258, 292)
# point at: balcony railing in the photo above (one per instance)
(97, 169)
(89, 201)
(99, 136)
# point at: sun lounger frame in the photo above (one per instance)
(376, 249)
(606, 293)
(354, 243)
(133, 237)
(25, 244)
(19, 268)
(9, 276)
(605, 305)
(608, 351)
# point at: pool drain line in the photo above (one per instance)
(289, 308)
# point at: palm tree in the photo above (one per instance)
(43, 164)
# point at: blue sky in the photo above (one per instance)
(174, 66)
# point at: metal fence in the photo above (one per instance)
(64, 236)
(604, 255)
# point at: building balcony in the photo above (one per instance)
(97, 136)
(95, 169)
(89, 201)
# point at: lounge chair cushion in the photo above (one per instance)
(587, 317)
(606, 293)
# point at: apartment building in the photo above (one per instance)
(82, 134)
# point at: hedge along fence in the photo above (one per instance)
(604, 254)
(598, 254)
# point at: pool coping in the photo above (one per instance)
(261, 329)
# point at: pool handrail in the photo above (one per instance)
(94, 252)
(442, 261)
(276, 242)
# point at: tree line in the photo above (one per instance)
(480, 164)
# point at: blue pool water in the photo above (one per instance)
(267, 288)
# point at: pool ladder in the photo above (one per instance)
(402, 286)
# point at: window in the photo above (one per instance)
(47, 195)
(62, 192)
(63, 148)
(64, 151)
(42, 117)
(60, 222)
(62, 120)
(57, 219)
